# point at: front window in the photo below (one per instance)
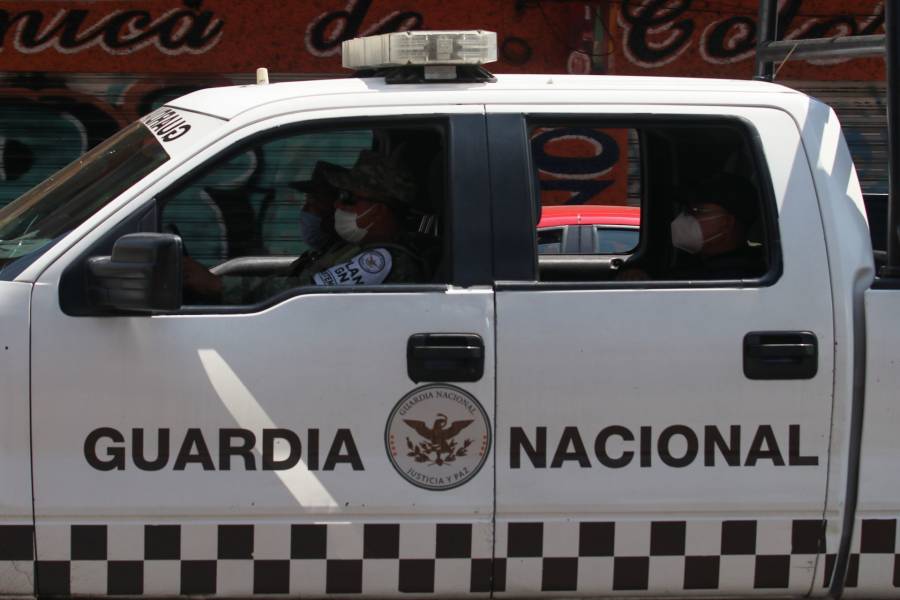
(30, 224)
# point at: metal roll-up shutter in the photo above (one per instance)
(47, 120)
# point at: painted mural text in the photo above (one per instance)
(122, 31)
(326, 32)
(658, 31)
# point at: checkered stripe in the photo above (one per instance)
(874, 564)
(688, 557)
(238, 559)
(16, 559)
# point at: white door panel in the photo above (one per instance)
(634, 454)
(298, 455)
(315, 362)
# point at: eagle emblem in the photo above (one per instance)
(439, 446)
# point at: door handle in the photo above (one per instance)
(781, 355)
(445, 357)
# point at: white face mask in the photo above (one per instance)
(686, 233)
(345, 226)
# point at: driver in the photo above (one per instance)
(316, 231)
(370, 246)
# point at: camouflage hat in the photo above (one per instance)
(376, 177)
(318, 181)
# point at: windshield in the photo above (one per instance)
(31, 223)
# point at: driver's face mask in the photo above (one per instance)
(345, 225)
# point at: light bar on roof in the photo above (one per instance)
(420, 48)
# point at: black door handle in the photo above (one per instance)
(445, 357)
(781, 355)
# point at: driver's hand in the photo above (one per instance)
(198, 281)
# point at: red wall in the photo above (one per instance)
(642, 37)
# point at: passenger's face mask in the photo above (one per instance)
(706, 229)
(686, 233)
(311, 230)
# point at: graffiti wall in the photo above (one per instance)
(47, 121)
(709, 38)
(230, 36)
(73, 72)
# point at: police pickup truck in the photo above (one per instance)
(669, 416)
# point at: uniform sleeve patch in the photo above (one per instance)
(366, 268)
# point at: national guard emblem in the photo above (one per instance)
(438, 437)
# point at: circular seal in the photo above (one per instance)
(372, 262)
(438, 437)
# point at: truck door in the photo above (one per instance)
(286, 438)
(663, 399)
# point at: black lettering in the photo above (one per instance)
(645, 18)
(731, 37)
(269, 463)
(600, 447)
(244, 449)
(116, 454)
(795, 459)
(133, 20)
(327, 32)
(174, 135)
(312, 450)
(343, 439)
(162, 450)
(170, 126)
(764, 437)
(665, 439)
(570, 436)
(713, 440)
(203, 30)
(646, 446)
(194, 439)
(537, 453)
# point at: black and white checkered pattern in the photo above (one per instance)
(874, 565)
(16, 559)
(580, 557)
(241, 559)
(594, 557)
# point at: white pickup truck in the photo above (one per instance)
(501, 423)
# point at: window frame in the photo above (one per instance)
(465, 151)
(510, 279)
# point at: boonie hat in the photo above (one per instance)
(377, 177)
(318, 181)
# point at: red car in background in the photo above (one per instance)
(588, 229)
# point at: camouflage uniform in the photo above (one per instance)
(405, 267)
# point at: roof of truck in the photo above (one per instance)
(229, 102)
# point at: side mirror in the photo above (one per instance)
(143, 274)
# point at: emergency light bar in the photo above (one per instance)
(420, 48)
